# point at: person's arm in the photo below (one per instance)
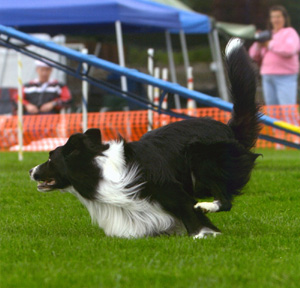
(16, 94)
(256, 52)
(286, 45)
(65, 98)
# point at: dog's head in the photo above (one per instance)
(72, 165)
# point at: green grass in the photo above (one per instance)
(47, 240)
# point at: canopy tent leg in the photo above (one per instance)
(172, 67)
(5, 58)
(97, 51)
(217, 59)
(121, 53)
(185, 54)
(123, 78)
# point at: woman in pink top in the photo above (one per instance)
(279, 59)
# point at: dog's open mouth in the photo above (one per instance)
(47, 185)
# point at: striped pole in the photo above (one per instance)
(156, 98)
(150, 87)
(20, 107)
(85, 87)
(191, 104)
(164, 105)
(165, 74)
(156, 89)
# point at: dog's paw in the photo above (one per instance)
(206, 232)
(208, 207)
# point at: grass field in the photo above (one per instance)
(47, 240)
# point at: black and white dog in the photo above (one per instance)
(150, 187)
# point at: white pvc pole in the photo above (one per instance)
(85, 88)
(190, 78)
(191, 104)
(150, 87)
(20, 107)
(156, 89)
(172, 66)
(165, 73)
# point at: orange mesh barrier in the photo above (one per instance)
(286, 113)
(45, 132)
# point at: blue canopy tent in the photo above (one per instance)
(105, 16)
(86, 16)
(191, 22)
(89, 17)
(109, 16)
(96, 16)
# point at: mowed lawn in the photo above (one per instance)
(47, 239)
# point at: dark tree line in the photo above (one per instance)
(245, 11)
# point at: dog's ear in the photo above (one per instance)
(85, 145)
(73, 145)
(94, 136)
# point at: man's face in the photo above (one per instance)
(43, 73)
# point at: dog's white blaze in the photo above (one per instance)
(33, 171)
(117, 210)
(232, 45)
(209, 206)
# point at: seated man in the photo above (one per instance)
(45, 96)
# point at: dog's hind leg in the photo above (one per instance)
(220, 170)
(222, 202)
(178, 203)
(209, 207)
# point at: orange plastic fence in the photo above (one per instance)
(45, 132)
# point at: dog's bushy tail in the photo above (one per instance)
(242, 76)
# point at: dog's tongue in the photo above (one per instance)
(46, 184)
(52, 182)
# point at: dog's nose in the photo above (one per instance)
(30, 171)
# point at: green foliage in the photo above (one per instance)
(47, 239)
(137, 57)
(204, 7)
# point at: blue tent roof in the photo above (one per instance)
(87, 16)
(190, 22)
(194, 23)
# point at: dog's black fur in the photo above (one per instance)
(177, 163)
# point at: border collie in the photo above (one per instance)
(151, 186)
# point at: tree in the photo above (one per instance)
(245, 11)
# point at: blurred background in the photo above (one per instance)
(232, 11)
